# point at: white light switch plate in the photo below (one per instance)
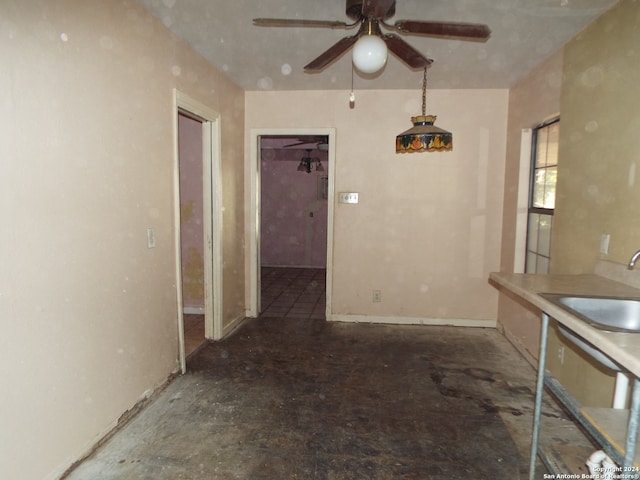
(348, 197)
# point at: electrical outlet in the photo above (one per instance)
(604, 243)
(377, 296)
(561, 355)
(151, 238)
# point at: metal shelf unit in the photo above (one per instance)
(616, 431)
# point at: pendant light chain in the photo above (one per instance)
(352, 68)
(424, 92)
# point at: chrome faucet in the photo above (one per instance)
(634, 259)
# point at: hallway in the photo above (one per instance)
(290, 292)
(287, 292)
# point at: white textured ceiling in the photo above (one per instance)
(524, 33)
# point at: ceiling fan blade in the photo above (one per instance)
(469, 31)
(305, 140)
(406, 52)
(331, 54)
(377, 8)
(286, 22)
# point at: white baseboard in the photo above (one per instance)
(454, 322)
(295, 266)
(193, 310)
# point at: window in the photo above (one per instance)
(542, 200)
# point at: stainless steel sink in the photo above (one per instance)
(613, 314)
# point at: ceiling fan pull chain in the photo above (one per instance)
(352, 95)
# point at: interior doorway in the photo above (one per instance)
(198, 222)
(292, 213)
(190, 164)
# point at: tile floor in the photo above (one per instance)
(289, 292)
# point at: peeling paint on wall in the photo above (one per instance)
(186, 212)
(193, 276)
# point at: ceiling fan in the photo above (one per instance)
(370, 15)
(320, 142)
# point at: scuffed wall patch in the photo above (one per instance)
(193, 277)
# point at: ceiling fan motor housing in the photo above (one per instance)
(354, 10)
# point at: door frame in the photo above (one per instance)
(212, 216)
(253, 285)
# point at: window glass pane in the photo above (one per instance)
(544, 188)
(550, 180)
(542, 265)
(539, 183)
(532, 234)
(544, 235)
(531, 263)
(541, 147)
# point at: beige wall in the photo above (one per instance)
(599, 147)
(88, 312)
(534, 99)
(427, 229)
(599, 151)
(598, 188)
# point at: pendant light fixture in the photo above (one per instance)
(306, 163)
(424, 136)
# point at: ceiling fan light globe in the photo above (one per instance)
(369, 54)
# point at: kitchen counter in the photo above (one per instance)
(605, 426)
(623, 348)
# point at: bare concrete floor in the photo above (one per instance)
(308, 399)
